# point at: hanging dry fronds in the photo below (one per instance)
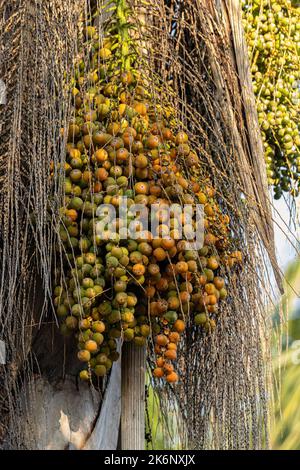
(37, 46)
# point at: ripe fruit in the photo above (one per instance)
(161, 340)
(141, 188)
(101, 174)
(101, 155)
(174, 337)
(210, 288)
(98, 326)
(219, 283)
(84, 355)
(158, 372)
(72, 213)
(181, 138)
(124, 141)
(182, 267)
(153, 142)
(91, 346)
(159, 254)
(171, 354)
(172, 377)
(179, 326)
(138, 270)
(84, 375)
(160, 362)
(212, 263)
(168, 368)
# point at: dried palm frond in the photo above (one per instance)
(37, 46)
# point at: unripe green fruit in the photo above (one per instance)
(171, 316)
(98, 338)
(139, 341)
(114, 356)
(62, 311)
(71, 323)
(145, 330)
(200, 319)
(223, 293)
(100, 370)
(112, 262)
(101, 358)
(76, 310)
(128, 334)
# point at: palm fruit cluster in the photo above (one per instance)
(121, 143)
(273, 36)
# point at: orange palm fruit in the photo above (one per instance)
(179, 326)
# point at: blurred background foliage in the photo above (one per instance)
(286, 426)
(162, 431)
